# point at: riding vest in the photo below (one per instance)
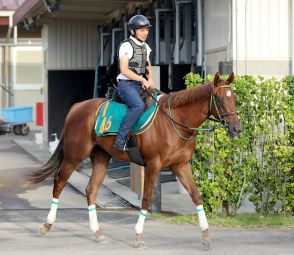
(137, 63)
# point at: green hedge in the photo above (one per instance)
(260, 163)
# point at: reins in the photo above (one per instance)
(212, 101)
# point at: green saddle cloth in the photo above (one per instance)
(112, 114)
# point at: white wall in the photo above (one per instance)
(216, 19)
(261, 31)
(216, 23)
(27, 78)
(1, 79)
(72, 44)
(259, 42)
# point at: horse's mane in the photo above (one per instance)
(187, 96)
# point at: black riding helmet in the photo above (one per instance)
(138, 21)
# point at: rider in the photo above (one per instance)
(135, 74)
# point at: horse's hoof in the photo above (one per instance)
(100, 238)
(140, 245)
(45, 228)
(206, 244)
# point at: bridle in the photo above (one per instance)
(213, 101)
(218, 108)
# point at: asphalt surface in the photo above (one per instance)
(70, 234)
(15, 193)
(23, 208)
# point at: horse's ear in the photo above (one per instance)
(230, 79)
(216, 79)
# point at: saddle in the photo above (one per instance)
(112, 95)
(112, 113)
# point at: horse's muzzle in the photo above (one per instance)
(234, 129)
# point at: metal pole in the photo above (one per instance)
(178, 32)
(1, 77)
(101, 47)
(157, 37)
(157, 32)
(126, 30)
(7, 101)
(102, 35)
(113, 49)
(199, 25)
(187, 33)
(292, 71)
(245, 38)
(15, 34)
(177, 44)
(167, 38)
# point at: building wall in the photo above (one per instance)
(262, 29)
(1, 78)
(216, 19)
(72, 44)
(262, 44)
(5, 72)
(28, 78)
(68, 44)
(259, 42)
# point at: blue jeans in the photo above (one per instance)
(128, 91)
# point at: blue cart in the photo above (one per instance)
(16, 119)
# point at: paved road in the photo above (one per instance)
(19, 235)
(15, 193)
(23, 208)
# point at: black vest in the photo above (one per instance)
(137, 63)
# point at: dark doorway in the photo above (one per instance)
(65, 88)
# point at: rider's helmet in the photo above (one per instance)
(138, 21)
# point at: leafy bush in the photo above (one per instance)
(259, 164)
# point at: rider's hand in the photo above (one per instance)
(145, 84)
(151, 82)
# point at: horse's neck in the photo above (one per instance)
(195, 113)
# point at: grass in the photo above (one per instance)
(238, 221)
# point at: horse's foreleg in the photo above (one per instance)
(100, 161)
(184, 175)
(149, 181)
(65, 172)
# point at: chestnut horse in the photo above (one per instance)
(170, 141)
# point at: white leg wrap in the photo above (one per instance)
(140, 224)
(94, 226)
(202, 218)
(52, 214)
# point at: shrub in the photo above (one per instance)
(259, 164)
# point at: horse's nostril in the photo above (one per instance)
(237, 130)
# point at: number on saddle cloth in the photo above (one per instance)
(111, 114)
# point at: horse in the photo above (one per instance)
(169, 142)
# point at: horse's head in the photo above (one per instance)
(224, 105)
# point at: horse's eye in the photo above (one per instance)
(219, 100)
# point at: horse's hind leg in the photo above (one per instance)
(66, 169)
(184, 174)
(100, 160)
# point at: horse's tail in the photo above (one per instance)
(51, 168)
